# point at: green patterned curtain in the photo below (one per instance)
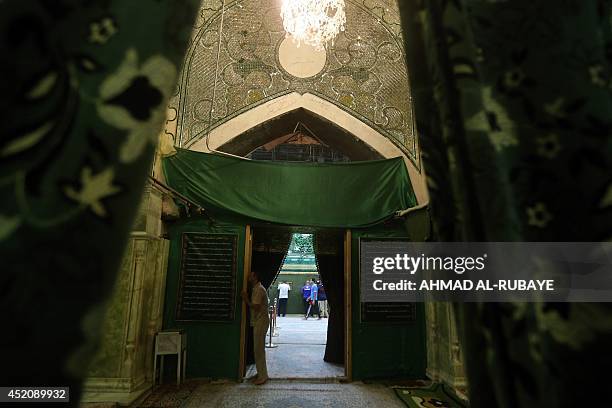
(514, 114)
(83, 98)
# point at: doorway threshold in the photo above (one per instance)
(310, 380)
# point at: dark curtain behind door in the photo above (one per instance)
(330, 262)
(267, 264)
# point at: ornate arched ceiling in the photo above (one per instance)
(364, 73)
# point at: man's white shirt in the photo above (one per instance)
(283, 291)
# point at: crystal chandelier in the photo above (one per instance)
(313, 22)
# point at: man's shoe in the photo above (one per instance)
(261, 381)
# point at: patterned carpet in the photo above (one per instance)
(434, 396)
(169, 395)
(274, 394)
(296, 394)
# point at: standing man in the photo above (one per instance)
(258, 305)
(283, 297)
(314, 298)
(322, 300)
(306, 296)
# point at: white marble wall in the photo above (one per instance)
(444, 359)
(122, 370)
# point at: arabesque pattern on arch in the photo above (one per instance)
(365, 73)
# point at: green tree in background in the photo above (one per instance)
(302, 244)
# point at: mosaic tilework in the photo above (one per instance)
(365, 73)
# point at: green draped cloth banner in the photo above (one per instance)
(356, 194)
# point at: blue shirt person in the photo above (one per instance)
(313, 300)
(306, 291)
(314, 292)
(322, 295)
(306, 295)
(322, 303)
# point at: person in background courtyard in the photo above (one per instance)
(283, 297)
(306, 296)
(258, 305)
(322, 300)
(313, 300)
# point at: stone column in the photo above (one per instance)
(444, 359)
(122, 370)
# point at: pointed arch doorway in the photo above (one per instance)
(243, 133)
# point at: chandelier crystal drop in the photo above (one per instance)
(313, 22)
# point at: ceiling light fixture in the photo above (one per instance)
(313, 22)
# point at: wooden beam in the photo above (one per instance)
(348, 345)
(248, 251)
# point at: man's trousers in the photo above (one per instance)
(259, 347)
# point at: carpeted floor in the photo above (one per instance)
(274, 394)
(434, 396)
(169, 395)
